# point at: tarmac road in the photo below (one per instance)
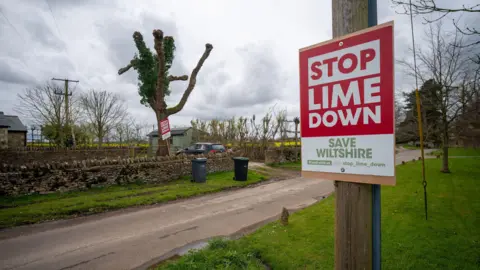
(136, 238)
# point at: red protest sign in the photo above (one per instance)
(347, 106)
(165, 129)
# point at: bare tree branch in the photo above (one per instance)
(41, 104)
(445, 62)
(104, 110)
(178, 78)
(44, 105)
(429, 6)
(424, 7)
(192, 82)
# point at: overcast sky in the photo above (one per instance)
(253, 66)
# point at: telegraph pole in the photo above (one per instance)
(357, 213)
(67, 109)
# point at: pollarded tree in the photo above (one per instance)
(154, 78)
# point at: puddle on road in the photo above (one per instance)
(201, 244)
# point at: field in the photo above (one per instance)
(90, 145)
(276, 144)
(146, 145)
(459, 152)
(37, 208)
(449, 239)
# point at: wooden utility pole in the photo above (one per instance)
(296, 120)
(67, 109)
(353, 215)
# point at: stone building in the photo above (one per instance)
(3, 132)
(12, 132)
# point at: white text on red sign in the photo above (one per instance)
(337, 72)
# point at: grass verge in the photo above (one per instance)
(37, 208)
(458, 151)
(297, 166)
(450, 239)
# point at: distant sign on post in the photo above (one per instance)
(165, 129)
(347, 108)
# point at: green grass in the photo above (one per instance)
(409, 147)
(297, 166)
(450, 239)
(458, 151)
(37, 208)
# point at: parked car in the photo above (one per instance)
(203, 148)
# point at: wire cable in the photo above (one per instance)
(11, 25)
(420, 127)
(54, 20)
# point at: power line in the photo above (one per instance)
(61, 37)
(75, 88)
(66, 94)
(54, 20)
(11, 25)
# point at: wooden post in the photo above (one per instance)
(353, 213)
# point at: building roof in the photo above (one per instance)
(174, 131)
(4, 121)
(12, 122)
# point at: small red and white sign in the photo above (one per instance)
(347, 104)
(165, 129)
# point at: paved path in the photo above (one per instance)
(136, 238)
(408, 155)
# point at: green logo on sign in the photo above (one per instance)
(320, 162)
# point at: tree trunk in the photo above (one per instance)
(100, 141)
(445, 168)
(162, 147)
(60, 136)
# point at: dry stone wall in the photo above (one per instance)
(55, 176)
(22, 156)
(282, 155)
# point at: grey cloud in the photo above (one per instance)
(15, 75)
(73, 3)
(259, 84)
(207, 111)
(37, 44)
(37, 24)
(57, 65)
(40, 31)
(105, 31)
(263, 79)
(117, 35)
(150, 22)
(8, 96)
(212, 79)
